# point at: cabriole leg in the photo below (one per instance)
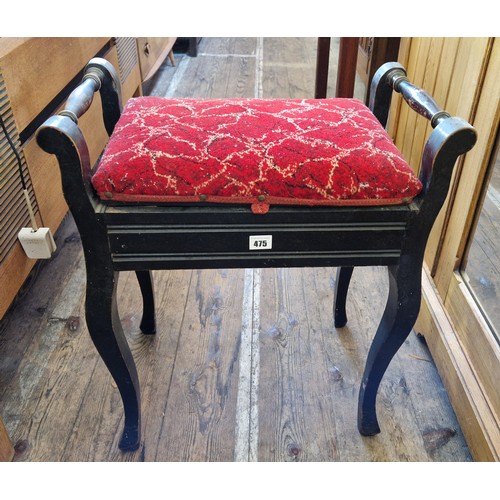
(341, 287)
(106, 332)
(400, 314)
(148, 322)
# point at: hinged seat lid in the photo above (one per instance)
(256, 151)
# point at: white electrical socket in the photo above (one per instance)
(38, 244)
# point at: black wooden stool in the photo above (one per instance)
(190, 184)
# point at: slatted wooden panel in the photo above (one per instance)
(126, 48)
(462, 75)
(13, 211)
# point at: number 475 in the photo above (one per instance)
(261, 242)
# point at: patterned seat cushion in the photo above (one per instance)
(257, 151)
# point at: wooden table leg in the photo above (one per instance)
(346, 71)
(6, 448)
(322, 65)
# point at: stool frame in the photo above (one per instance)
(144, 237)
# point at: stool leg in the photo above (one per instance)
(107, 334)
(148, 322)
(400, 314)
(341, 286)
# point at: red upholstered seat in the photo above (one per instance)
(257, 151)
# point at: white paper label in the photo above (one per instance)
(261, 242)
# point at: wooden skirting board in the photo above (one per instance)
(479, 423)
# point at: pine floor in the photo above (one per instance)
(246, 365)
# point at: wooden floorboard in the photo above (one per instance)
(246, 364)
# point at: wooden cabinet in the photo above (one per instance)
(152, 52)
(36, 75)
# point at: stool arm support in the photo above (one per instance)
(80, 100)
(110, 90)
(381, 90)
(99, 75)
(450, 138)
(419, 100)
(60, 134)
(392, 76)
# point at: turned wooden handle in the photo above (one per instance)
(81, 98)
(418, 99)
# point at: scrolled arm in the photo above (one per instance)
(60, 136)
(450, 138)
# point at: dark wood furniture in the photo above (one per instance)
(356, 55)
(189, 45)
(138, 236)
(322, 67)
(346, 71)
